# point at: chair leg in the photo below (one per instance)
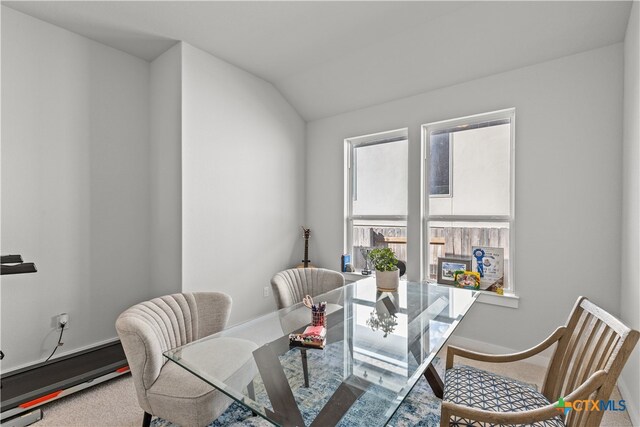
(445, 418)
(146, 420)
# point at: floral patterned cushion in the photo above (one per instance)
(480, 389)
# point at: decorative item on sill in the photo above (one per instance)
(448, 265)
(344, 262)
(402, 266)
(489, 263)
(386, 265)
(365, 254)
(497, 286)
(467, 279)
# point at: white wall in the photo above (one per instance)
(75, 179)
(243, 172)
(630, 291)
(568, 160)
(165, 128)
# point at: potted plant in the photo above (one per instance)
(386, 265)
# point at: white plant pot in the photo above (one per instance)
(387, 281)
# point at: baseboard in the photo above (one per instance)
(632, 406)
(59, 355)
(541, 359)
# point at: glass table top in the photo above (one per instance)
(378, 346)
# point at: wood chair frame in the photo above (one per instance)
(591, 351)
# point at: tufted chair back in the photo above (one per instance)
(150, 328)
(290, 286)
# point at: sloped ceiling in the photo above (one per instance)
(331, 57)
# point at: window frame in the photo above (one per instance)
(350, 144)
(425, 218)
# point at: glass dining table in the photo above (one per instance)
(378, 345)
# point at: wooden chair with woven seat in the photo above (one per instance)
(591, 350)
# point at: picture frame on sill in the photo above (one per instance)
(447, 266)
(467, 279)
(489, 263)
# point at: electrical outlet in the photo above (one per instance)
(62, 319)
(266, 291)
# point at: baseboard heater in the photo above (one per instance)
(24, 390)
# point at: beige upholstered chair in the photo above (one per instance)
(165, 389)
(590, 351)
(290, 287)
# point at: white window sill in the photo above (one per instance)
(507, 300)
(355, 276)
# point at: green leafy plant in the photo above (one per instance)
(383, 259)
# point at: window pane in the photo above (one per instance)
(480, 163)
(380, 179)
(454, 238)
(370, 234)
(439, 164)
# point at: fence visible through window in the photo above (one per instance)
(447, 241)
(366, 237)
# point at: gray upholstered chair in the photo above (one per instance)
(290, 287)
(165, 389)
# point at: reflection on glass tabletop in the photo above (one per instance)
(378, 346)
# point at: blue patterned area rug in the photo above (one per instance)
(421, 408)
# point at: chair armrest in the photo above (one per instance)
(592, 383)
(502, 358)
(524, 417)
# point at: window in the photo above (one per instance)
(468, 181)
(376, 194)
(440, 172)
